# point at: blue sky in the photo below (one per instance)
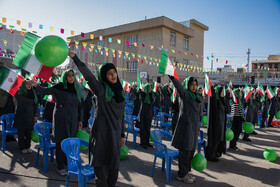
(234, 25)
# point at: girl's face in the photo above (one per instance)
(70, 77)
(28, 85)
(112, 76)
(193, 86)
(222, 93)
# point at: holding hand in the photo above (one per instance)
(71, 53)
(31, 82)
(80, 124)
(122, 142)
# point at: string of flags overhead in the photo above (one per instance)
(33, 27)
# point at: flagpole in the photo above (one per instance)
(208, 112)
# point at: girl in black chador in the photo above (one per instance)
(217, 125)
(107, 133)
(146, 116)
(26, 115)
(68, 113)
(185, 136)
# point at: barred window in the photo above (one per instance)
(172, 38)
(132, 39)
(132, 66)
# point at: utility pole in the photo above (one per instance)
(248, 60)
(212, 57)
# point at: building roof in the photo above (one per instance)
(145, 24)
(265, 61)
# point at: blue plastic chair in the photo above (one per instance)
(156, 111)
(162, 152)
(90, 121)
(163, 122)
(71, 147)
(8, 130)
(41, 113)
(43, 130)
(131, 129)
(201, 142)
(128, 109)
(92, 113)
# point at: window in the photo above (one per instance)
(270, 66)
(100, 43)
(132, 39)
(172, 38)
(186, 43)
(132, 66)
(276, 66)
(185, 61)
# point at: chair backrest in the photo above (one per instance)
(158, 136)
(41, 113)
(43, 130)
(161, 116)
(129, 121)
(71, 147)
(92, 113)
(156, 110)
(90, 121)
(8, 120)
(128, 109)
(201, 134)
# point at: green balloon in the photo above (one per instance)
(270, 154)
(84, 136)
(277, 115)
(229, 134)
(151, 138)
(248, 127)
(199, 162)
(204, 120)
(34, 136)
(124, 152)
(51, 51)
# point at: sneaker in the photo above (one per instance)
(186, 179)
(29, 151)
(24, 151)
(192, 177)
(62, 172)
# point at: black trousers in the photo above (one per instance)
(145, 128)
(211, 151)
(236, 128)
(60, 156)
(185, 157)
(106, 177)
(174, 121)
(271, 116)
(24, 138)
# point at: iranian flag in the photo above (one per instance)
(173, 96)
(126, 86)
(155, 85)
(166, 67)
(139, 85)
(26, 59)
(276, 90)
(230, 85)
(269, 92)
(260, 89)
(10, 81)
(252, 89)
(247, 92)
(49, 98)
(233, 96)
(85, 84)
(207, 87)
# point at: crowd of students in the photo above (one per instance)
(72, 102)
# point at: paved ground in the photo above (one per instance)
(244, 168)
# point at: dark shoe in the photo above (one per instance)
(247, 139)
(143, 146)
(233, 148)
(254, 133)
(149, 145)
(213, 159)
(269, 126)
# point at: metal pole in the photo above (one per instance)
(248, 60)
(212, 57)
